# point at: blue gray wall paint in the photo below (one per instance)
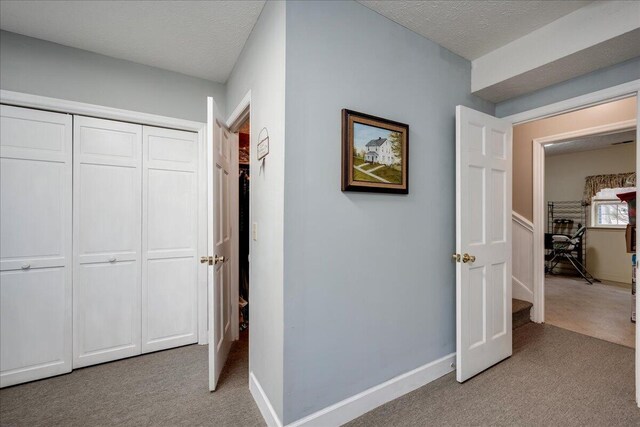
(261, 70)
(597, 80)
(369, 284)
(48, 69)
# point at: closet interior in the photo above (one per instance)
(244, 222)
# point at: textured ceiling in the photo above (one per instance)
(596, 142)
(197, 38)
(473, 28)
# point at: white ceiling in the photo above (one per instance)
(197, 38)
(473, 28)
(205, 38)
(595, 142)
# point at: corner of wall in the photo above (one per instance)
(260, 69)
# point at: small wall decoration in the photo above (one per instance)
(263, 144)
(375, 154)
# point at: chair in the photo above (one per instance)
(563, 247)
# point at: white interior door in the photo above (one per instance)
(483, 241)
(169, 238)
(107, 239)
(35, 244)
(219, 242)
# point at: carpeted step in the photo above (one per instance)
(520, 312)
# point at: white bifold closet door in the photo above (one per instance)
(35, 244)
(169, 239)
(107, 239)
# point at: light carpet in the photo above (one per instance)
(601, 310)
(166, 388)
(554, 378)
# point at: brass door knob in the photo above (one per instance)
(456, 257)
(468, 258)
(211, 260)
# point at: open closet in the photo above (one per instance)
(244, 222)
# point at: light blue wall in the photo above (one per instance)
(261, 70)
(369, 282)
(43, 68)
(597, 80)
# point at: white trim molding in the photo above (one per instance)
(28, 100)
(522, 271)
(621, 91)
(358, 404)
(524, 222)
(240, 113)
(264, 404)
(363, 402)
(72, 107)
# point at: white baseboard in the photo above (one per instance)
(520, 291)
(361, 403)
(264, 405)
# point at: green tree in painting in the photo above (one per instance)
(396, 144)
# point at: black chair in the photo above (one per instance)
(564, 247)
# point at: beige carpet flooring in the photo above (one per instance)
(554, 378)
(601, 310)
(167, 388)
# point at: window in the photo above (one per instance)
(609, 213)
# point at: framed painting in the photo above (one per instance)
(375, 154)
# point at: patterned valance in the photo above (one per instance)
(595, 183)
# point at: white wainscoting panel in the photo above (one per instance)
(522, 258)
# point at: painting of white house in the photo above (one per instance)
(377, 154)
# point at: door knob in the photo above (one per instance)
(456, 257)
(468, 258)
(211, 260)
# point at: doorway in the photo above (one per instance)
(585, 158)
(244, 224)
(533, 162)
(228, 261)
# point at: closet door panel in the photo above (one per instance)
(167, 294)
(29, 188)
(109, 201)
(35, 244)
(35, 135)
(109, 318)
(169, 282)
(107, 236)
(29, 298)
(171, 207)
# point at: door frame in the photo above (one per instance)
(20, 99)
(539, 216)
(240, 113)
(613, 93)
